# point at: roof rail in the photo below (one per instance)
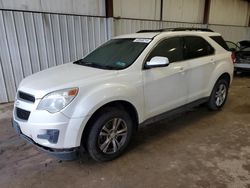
(176, 29)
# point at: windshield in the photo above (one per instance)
(115, 54)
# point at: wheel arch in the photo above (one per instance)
(212, 102)
(224, 75)
(122, 104)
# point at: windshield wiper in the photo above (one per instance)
(108, 67)
(85, 63)
(91, 64)
(78, 62)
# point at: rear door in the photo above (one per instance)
(199, 54)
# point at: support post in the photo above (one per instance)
(109, 8)
(206, 11)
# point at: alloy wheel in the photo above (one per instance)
(220, 94)
(112, 136)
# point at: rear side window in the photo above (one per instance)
(197, 47)
(172, 48)
(220, 41)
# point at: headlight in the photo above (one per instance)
(57, 100)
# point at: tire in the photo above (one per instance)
(110, 134)
(219, 95)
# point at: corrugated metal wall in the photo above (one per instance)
(79, 7)
(235, 12)
(183, 10)
(232, 22)
(172, 10)
(232, 33)
(180, 24)
(134, 9)
(125, 26)
(31, 42)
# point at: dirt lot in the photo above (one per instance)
(196, 149)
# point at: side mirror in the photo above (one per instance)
(157, 61)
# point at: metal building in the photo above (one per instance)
(38, 34)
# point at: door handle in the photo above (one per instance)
(212, 61)
(181, 69)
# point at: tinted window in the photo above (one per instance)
(220, 41)
(197, 47)
(171, 48)
(115, 54)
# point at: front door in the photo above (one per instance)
(165, 88)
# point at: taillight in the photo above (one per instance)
(233, 57)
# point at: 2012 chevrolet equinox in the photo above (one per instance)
(98, 102)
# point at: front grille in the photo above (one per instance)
(26, 97)
(22, 114)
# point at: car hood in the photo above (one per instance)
(60, 77)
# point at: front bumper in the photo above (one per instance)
(57, 134)
(62, 154)
(39, 124)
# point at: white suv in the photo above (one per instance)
(97, 102)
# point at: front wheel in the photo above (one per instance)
(219, 94)
(110, 134)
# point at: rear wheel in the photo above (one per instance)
(219, 94)
(110, 134)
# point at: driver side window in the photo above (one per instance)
(172, 48)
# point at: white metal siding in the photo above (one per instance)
(180, 24)
(183, 10)
(232, 33)
(138, 9)
(125, 26)
(81, 7)
(229, 12)
(30, 42)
